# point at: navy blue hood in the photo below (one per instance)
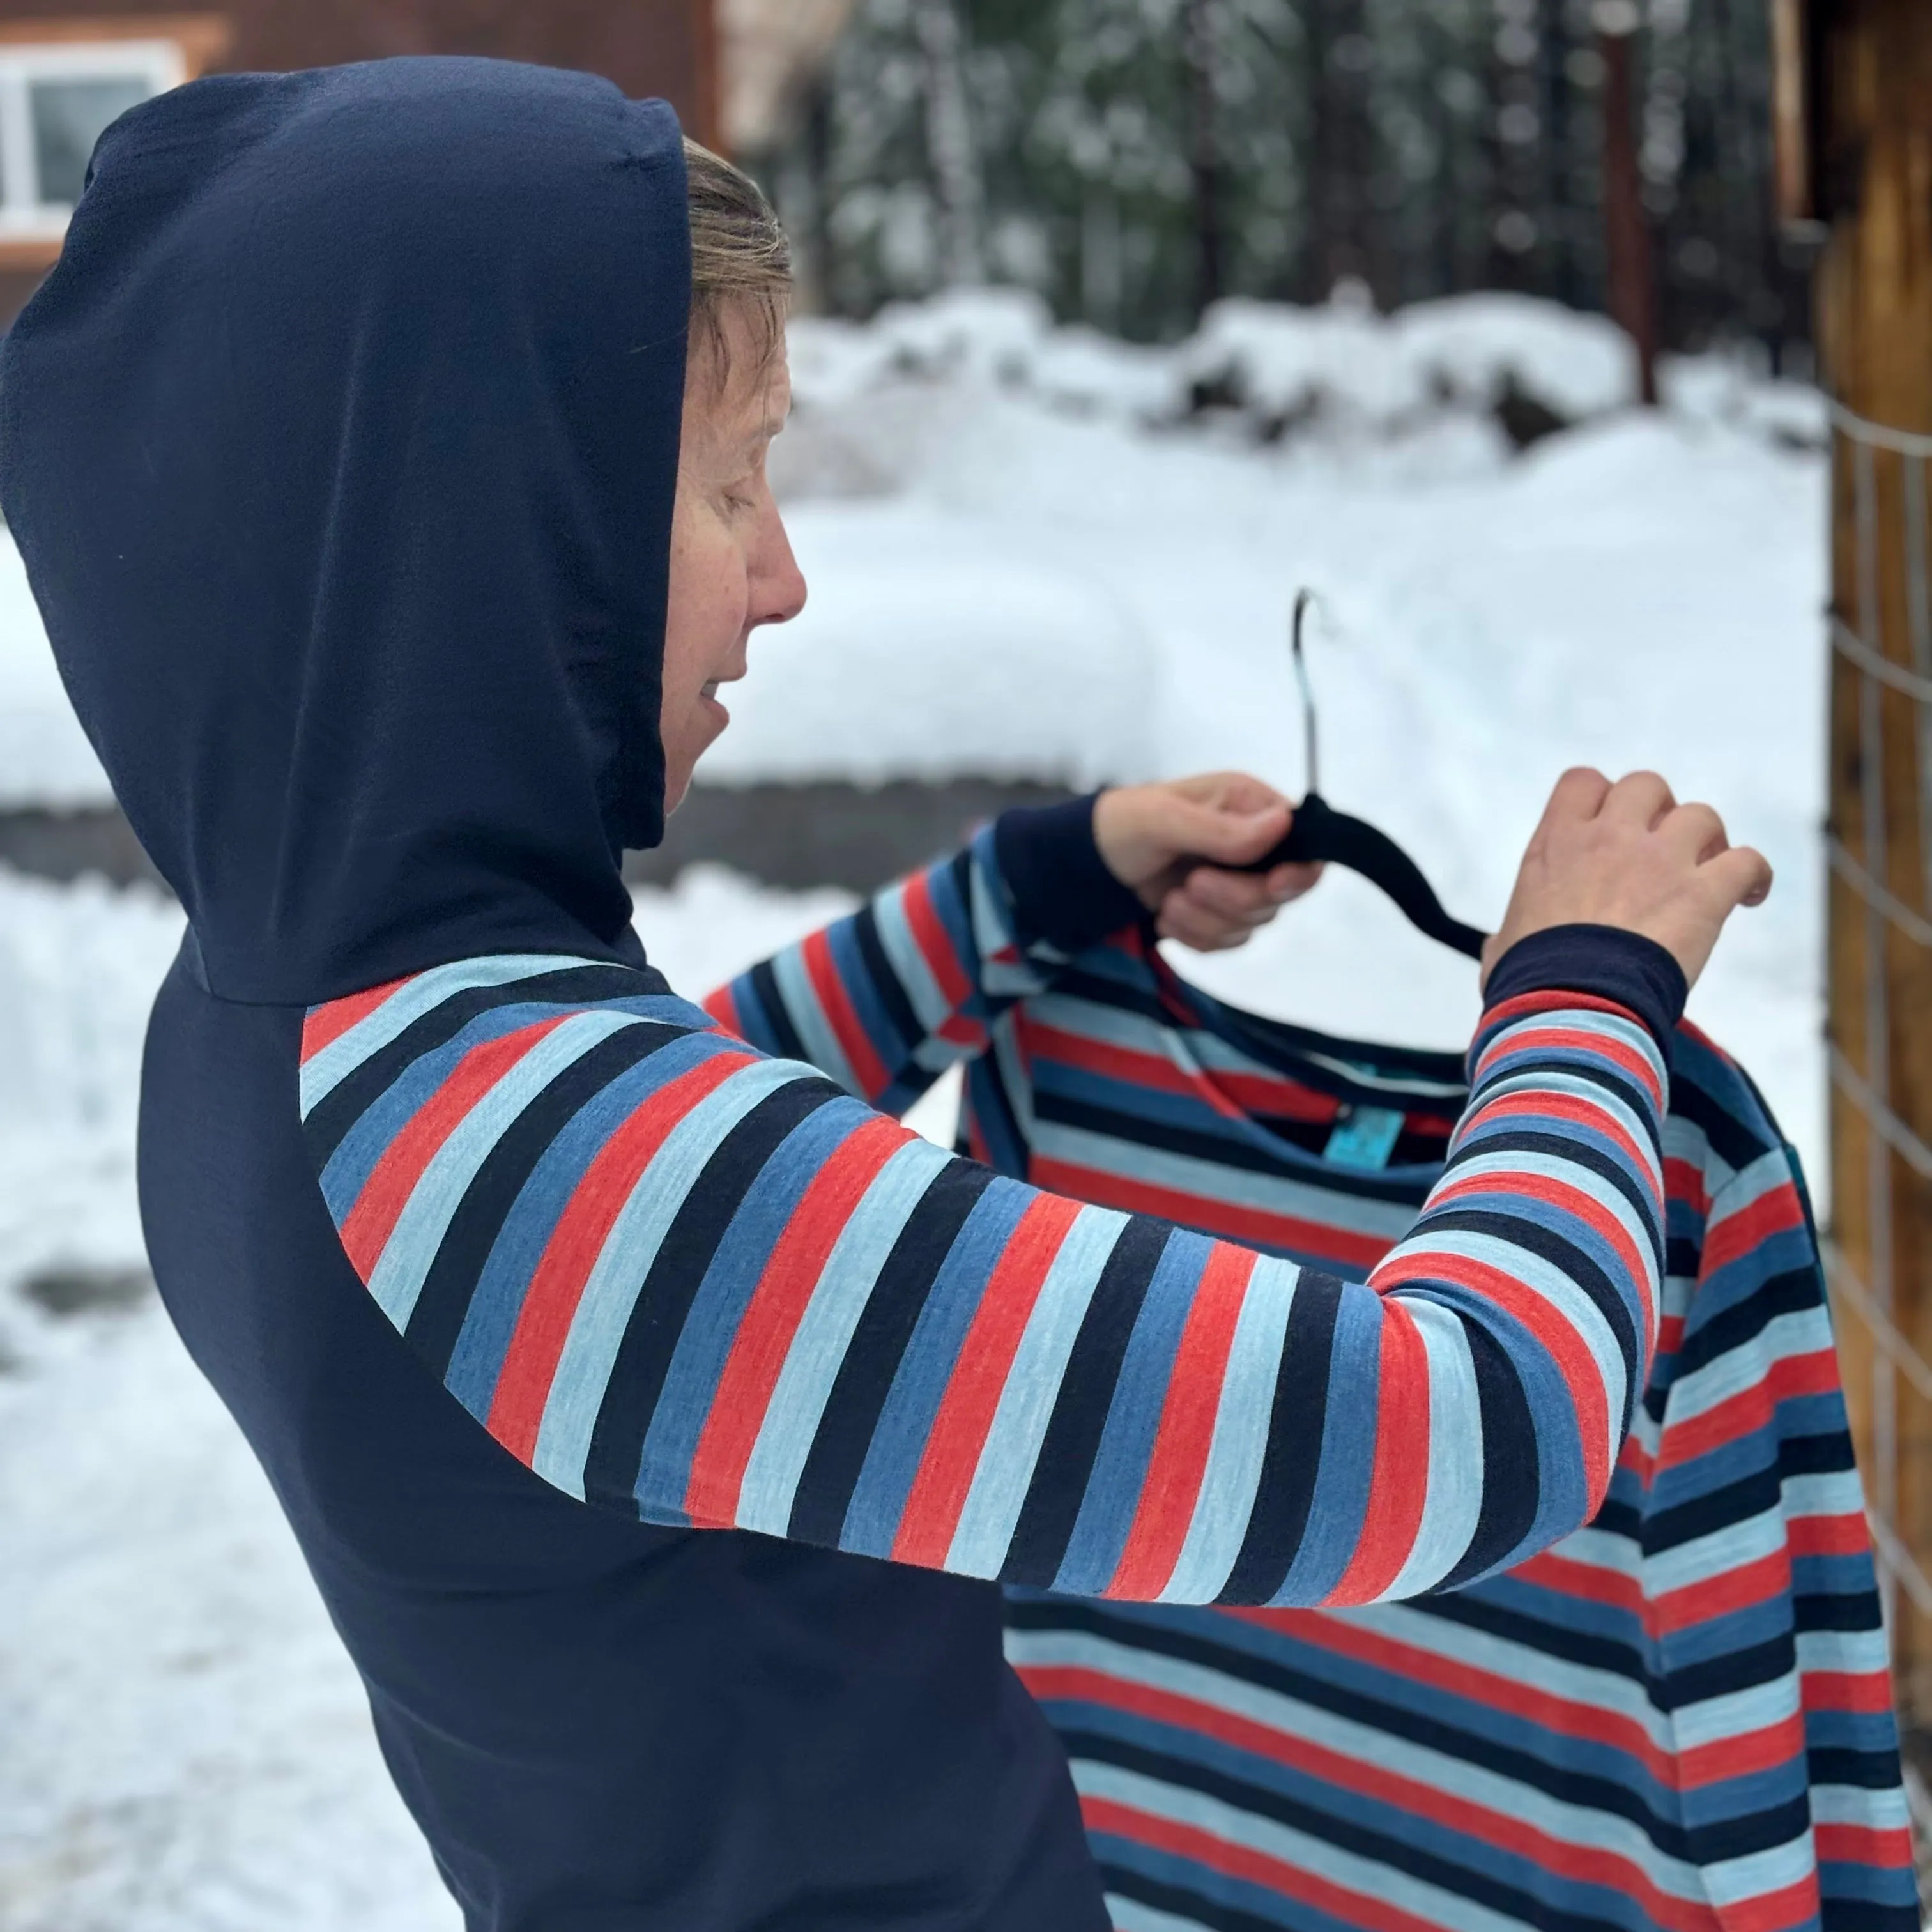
(340, 446)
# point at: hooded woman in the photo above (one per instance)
(658, 1416)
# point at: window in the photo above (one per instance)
(55, 103)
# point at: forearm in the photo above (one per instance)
(884, 1000)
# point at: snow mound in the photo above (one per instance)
(1342, 363)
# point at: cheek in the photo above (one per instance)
(705, 612)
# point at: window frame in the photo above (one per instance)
(158, 60)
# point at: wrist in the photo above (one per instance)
(1062, 889)
(1605, 962)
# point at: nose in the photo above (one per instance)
(779, 584)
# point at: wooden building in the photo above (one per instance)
(68, 66)
(1854, 174)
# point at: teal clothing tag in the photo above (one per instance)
(1363, 1137)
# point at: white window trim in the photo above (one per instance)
(24, 217)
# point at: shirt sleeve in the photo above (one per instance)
(684, 1279)
(885, 1000)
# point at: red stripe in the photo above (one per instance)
(1546, 1102)
(867, 1069)
(1683, 1182)
(935, 942)
(326, 1024)
(1777, 1211)
(369, 1224)
(1562, 1717)
(557, 1284)
(1753, 1407)
(978, 1379)
(1583, 1864)
(1637, 1065)
(1889, 1848)
(722, 1006)
(791, 1273)
(1338, 1246)
(1570, 1199)
(1199, 1847)
(1186, 1432)
(1866, 1691)
(1399, 1483)
(1579, 1368)
(1237, 1094)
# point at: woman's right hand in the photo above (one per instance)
(1629, 855)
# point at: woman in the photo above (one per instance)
(387, 453)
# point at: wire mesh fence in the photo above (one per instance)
(1878, 847)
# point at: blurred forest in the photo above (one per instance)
(1134, 160)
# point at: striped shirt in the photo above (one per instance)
(678, 1271)
(1678, 1718)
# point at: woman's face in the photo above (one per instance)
(731, 565)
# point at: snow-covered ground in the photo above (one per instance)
(1025, 563)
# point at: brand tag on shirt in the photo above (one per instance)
(1363, 1137)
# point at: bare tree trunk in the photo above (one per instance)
(1633, 275)
(949, 143)
(1202, 26)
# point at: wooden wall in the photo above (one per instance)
(666, 48)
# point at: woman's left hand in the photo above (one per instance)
(1152, 838)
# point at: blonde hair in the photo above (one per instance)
(739, 257)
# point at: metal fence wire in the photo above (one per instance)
(1884, 473)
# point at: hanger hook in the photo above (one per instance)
(1304, 599)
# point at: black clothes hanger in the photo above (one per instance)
(1320, 832)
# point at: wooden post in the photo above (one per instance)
(1870, 62)
(1633, 272)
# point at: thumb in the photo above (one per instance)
(1230, 837)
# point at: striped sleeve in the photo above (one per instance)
(683, 1280)
(885, 1000)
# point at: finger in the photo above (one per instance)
(1698, 829)
(1579, 793)
(1228, 838)
(1181, 920)
(1741, 875)
(1235, 896)
(1227, 791)
(1287, 883)
(1643, 798)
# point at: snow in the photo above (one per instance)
(1022, 562)
(45, 758)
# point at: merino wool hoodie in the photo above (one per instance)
(659, 1417)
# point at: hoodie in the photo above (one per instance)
(658, 1416)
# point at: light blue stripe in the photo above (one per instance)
(817, 1351)
(906, 1416)
(1004, 1470)
(400, 1269)
(1346, 1466)
(617, 1277)
(518, 1246)
(323, 1073)
(809, 1022)
(1133, 1419)
(1225, 1505)
(731, 1278)
(1452, 1503)
(908, 961)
